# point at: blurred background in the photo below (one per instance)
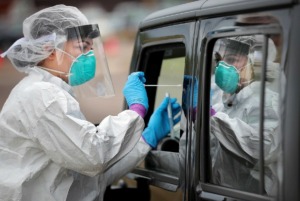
(118, 21)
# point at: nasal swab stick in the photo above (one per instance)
(162, 85)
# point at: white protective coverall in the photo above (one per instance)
(236, 127)
(48, 151)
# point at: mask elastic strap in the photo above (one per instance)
(56, 71)
(247, 82)
(74, 58)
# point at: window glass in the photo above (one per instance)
(170, 81)
(236, 85)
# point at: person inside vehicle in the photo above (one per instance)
(235, 125)
(48, 149)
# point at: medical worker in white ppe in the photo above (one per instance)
(235, 125)
(48, 150)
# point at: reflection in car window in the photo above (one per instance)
(236, 95)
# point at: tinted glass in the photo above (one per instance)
(236, 86)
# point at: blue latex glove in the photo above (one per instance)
(134, 90)
(187, 81)
(158, 126)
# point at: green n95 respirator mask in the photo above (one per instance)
(83, 69)
(227, 77)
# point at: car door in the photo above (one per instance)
(239, 128)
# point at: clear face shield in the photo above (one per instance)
(234, 67)
(83, 60)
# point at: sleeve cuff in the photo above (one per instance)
(138, 108)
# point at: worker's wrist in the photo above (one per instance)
(149, 137)
(212, 111)
(138, 108)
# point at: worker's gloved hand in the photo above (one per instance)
(158, 126)
(134, 90)
(187, 83)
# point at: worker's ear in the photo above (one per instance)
(49, 47)
(53, 55)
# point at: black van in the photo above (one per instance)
(234, 67)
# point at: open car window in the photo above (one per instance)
(164, 72)
(170, 82)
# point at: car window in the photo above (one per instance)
(170, 82)
(164, 72)
(240, 125)
(170, 79)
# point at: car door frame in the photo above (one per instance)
(181, 32)
(204, 190)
